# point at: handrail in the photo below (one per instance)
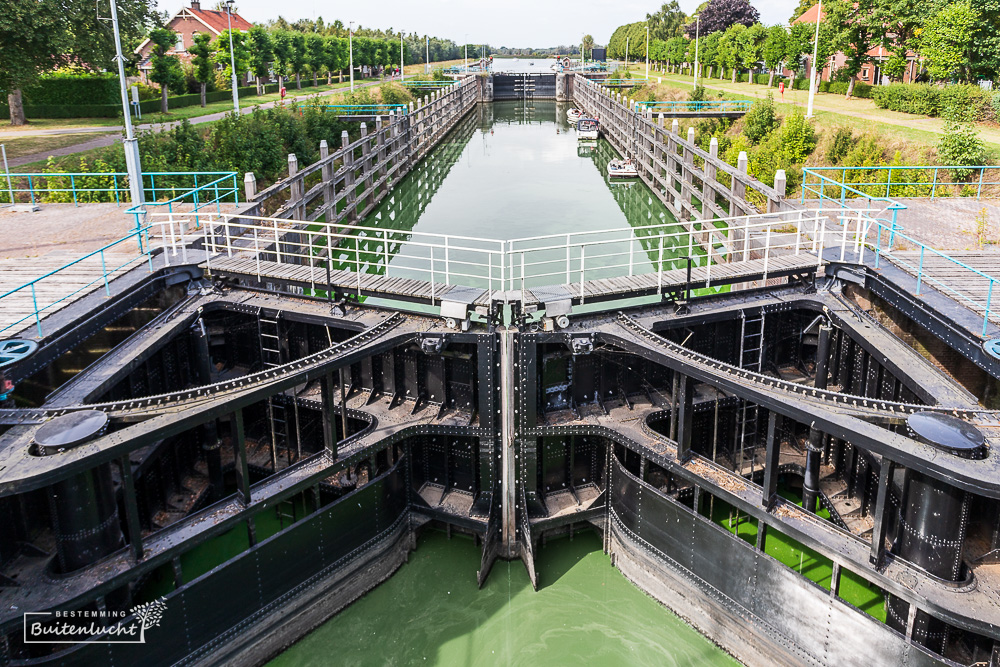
(141, 210)
(693, 105)
(37, 312)
(365, 109)
(119, 186)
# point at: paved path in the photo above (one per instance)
(110, 137)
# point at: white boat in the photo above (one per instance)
(622, 169)
(586, 128)
(573, 115)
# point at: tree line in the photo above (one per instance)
(951, 41)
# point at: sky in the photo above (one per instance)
(518, 23)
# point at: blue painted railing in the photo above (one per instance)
(42, 305)
(358, 109)
(623, 82)
(88, 187)
(732, 106)
(224, 189)
(429, 84)
(870, 191)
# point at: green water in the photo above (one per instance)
(432, 613)
(511, 170)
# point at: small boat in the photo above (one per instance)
(586, 128)
(573, 115)
(622, 169)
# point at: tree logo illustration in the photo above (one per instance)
(149, 615)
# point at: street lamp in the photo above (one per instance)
(427, 59)
(466, 53)
(131, 144)
(350, 49)
(232, 55)
(814, 79)
(647, 51)
(697, 31)
(402, 63)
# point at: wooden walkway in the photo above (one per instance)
(965, 287)
(58, 290)
(371, 284)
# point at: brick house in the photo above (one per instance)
(871, 72)
(187, 23)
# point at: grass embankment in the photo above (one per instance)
(21, 146)
(831, 111)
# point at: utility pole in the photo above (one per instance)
(131, 144)
(402, 63)
(814, 79)
(466, 53)
(427, 58)
(232, 56)
(697, 31)
(626, 54)
(350, 49)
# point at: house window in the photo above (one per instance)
(180, 43)
(864, 74)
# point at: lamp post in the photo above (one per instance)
(697, 32)
(131, 144)
(466, 53)
(626, 55)
(232, 55)
(647, 51)
(814, 79)
(402, 63)
(427, 58)
(350, 49)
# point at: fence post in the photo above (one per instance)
(327, 173)
(352, 209)
(295, 188)
(739, 189)
(780, 185)
(366, 170)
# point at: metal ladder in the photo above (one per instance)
(269, 333)
(751, 359)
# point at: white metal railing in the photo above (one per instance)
(570, 259)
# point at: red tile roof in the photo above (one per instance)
(218, 21)
(810, 15)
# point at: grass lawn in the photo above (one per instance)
(833, 110)
(20, 146)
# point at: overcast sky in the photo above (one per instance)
(519, 23)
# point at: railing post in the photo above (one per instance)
(780, 185)
(34, 302)
(989, 301)
(920, 269)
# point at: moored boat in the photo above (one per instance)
(622, 169)
(587, 128)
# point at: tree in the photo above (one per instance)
(587, 43)
(800, 43)
(281, 42)
(42, 34)
(336, 49)
(729, 48)
(667, 22)
(240, 55)
(774, 50)
(297, 57)
(946, 40)
(676, 51)
(316, 54)
(857, 28)
(202, 61)
(166, 70)
(260, 54)
(751, 43)
(720, 14)
(984, 47)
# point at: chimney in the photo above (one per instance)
(195, 4)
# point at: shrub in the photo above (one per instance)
(843, 140)
(761, 120)
(698, 94)
(960, 145)
(393, 93)
(798, 138)
(928, 100)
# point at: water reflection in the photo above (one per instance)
(515, 170)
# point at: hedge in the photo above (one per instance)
(930, 100)
(114, 110)
(65, 88)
